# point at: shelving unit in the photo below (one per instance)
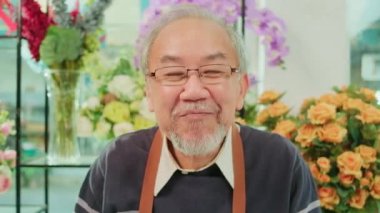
(40, 162)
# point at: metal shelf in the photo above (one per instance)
(24, 208)
(43, 162)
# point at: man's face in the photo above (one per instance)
(194, 111)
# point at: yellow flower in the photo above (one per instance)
(368, 94)
(141, 122)
(332, 132)
(277, 109)
(269, 96)
(306, 134)
(321, 113)
(358, 200)
(369, 115)
(116, 112)
(367, 153)
(350, 163)
(285, 128)
(328, 197)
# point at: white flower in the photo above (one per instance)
(122, 86)
(144, 110)
(121, 128)
(92, 103)
(84, 127)
(102, 129)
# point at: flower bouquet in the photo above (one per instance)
(339, 136)
(119, 106)
(7, 156)
(62, 40)
(275, 114)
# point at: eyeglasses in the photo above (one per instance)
(178, 75)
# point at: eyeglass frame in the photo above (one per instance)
(232, 70)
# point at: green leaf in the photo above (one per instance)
(369, 132)
(353, 126)
(61, 44)
(124, 68)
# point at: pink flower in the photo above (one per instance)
(5, 179)
(6, 128)
(10, 156)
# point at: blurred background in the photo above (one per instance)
(331, 43)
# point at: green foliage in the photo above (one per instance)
(60, 45)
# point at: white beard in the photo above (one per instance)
(198, 146)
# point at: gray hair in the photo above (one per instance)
(177, 12)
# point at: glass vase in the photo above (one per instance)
(63, 110)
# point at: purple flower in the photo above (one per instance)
(263, 22)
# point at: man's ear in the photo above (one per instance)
(244, 84)
(149, 96)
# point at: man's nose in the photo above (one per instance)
(194, 89)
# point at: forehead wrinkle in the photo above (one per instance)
(169, 58)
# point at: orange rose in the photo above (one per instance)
(367, 153)
(328, 197)
(350, 163)
(333, 99)
(358, 200)
(318, 176)
(353, 104)
(346, 180)
(365, 182)
(269, 96)
(285, 128)
(321, 113)
(324, 164)
(262, 116)
(375, 189)
(314, 170)
(332, 132)
(369, 115)
(306, 134)
(277, 109)
(368, 94)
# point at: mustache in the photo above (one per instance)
(195, 107)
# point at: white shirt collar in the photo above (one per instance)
(167, 165)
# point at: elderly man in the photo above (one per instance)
(198, 159)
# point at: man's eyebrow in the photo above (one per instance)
(169, 58)
(211, 57)
(214, 56)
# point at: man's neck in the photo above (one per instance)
(193, 162)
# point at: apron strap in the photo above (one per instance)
(239, 195)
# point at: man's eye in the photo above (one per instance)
(212, 73)
(174, 74)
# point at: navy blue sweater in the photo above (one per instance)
(277, 179)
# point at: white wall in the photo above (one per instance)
(319, 49)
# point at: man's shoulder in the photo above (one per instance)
(257, 137)
(132, 143)
(259, 145)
